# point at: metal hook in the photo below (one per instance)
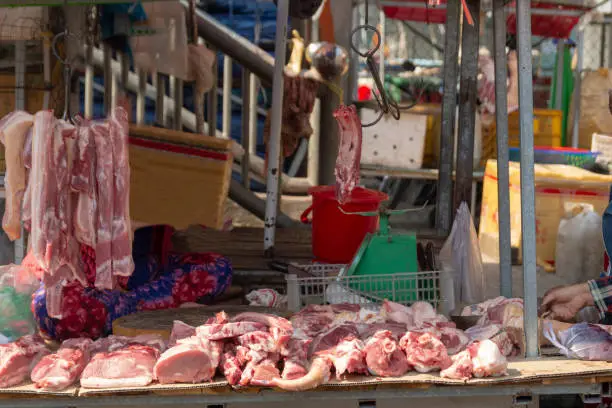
(386, 104)
(67, 116)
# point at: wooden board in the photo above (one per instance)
(160, 321)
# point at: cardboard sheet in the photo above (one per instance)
(217, 383)
(519, 372)
(29, 388)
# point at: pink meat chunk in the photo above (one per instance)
(224, 331)
(487, 360)
(296, 358)
(349, 151)
(231, 367)
(192, 360)
(461, 368)
(128, 367)
(180, 331)
(18, 358)
(384, 357)
(425, 352)
(60, 370)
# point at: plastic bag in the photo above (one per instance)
(266, 298)
(17, 284)
(460, 256)
(582, 341)
(579, 252)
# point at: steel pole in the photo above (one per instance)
(577, 87)
(444, 211)
(503, 176)
(467, 106)
(528, 219)
(274, 145)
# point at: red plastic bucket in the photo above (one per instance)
(336, 236)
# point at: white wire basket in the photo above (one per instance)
(328, 285)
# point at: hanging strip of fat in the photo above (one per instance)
(104, 179)
(84, 184)
(121, 241)
(13, 130)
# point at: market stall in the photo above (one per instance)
(351, 321)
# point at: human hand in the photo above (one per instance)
(563, 303)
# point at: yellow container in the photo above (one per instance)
(555, 185)
(546, 132)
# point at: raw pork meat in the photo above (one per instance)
(349, 151)
(13, 130)
(84, 183)
(319, 373)
(384, 357)
(348, 357)
(480, 333)
(131, 366)
(192, 360)
(60, 370)
(280, 328)
(461, 368)
(104, 181)
(230, 366)
(180, 331)
(18, 358)
(397, 313)
(425, 352)
(216, 331)
(296, 358)
(487, 360)
(121, 230)
(312, 323)
(582, 341)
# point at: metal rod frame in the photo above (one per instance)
(246, 128)
(503, 175)
(444, 212)
(528, 219)
(274, 148)
(467, 106)
(577, 87)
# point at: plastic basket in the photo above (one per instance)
(327, 287)
(558, 155)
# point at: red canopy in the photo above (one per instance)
(549, 25)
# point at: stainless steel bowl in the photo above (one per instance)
(330, 60)
(465, 322)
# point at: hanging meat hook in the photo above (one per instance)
(67, 116)
(385, 103)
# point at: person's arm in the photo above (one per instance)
(601, 290)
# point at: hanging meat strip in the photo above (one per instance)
(349, 151)
(26, 210)
(47, 148)
(104, 178)
(84, 183)
(121, 232)
(13, 131)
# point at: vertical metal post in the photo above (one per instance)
(253, 93)
(382, 22)
(160, 113)
(274, 146)
(528, 220)
(503, 177)
(178, 104)
(467, 106)
(212, 100)
(246, 115)
(312, 169)
(559, 74)
(89, 81)
(578, 87)
(602, 47)
(140, 97)
(108, 78)
(444, 208)
(227, 97)
(20, 104)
